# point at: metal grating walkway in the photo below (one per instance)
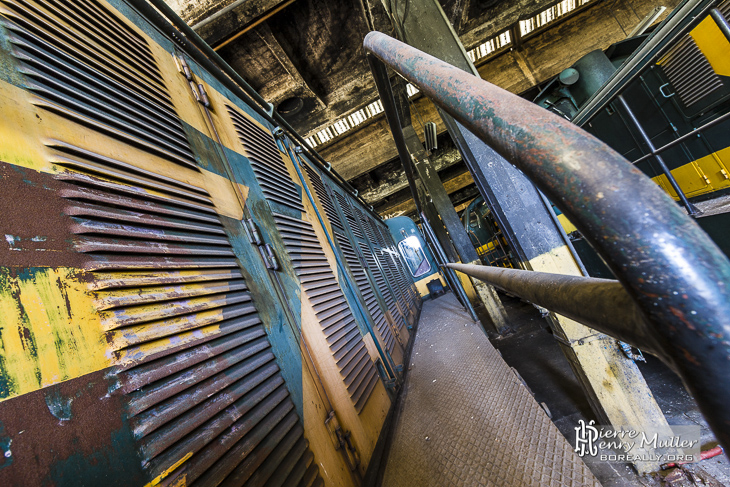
(467, 420)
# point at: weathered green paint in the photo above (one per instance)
(6, 442)
(69, 434)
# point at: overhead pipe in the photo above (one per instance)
(670, 268)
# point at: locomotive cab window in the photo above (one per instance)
(412, 253)
(474, 220)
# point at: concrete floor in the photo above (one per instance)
(533, 351)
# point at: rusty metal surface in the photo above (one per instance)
(194, 361)
(194, 357)
(671, 268)
(467, 420)
(70, 433)
(611, 310)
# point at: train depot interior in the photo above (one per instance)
(364, 243)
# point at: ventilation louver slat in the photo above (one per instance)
(331, 308)
(202, 386)
(363, 284)
(323, 196)
(85, 64)
(689, 72)
(382, 284)
(349, 213)
(267, 163)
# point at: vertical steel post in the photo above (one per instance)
(435, 199)
(667, 173)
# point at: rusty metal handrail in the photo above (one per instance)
(673, 271)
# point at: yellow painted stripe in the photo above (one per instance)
(19, 130)
(566, 224)
(422, 285)
(167, 472)
(713, 44)
(705, 175)
(49, 331)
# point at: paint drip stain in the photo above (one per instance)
(58, 405)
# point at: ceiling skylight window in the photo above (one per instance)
(489, 46)
(549, 15)
(351, 121)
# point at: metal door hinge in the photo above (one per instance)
(253, 232)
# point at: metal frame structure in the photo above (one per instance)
(670, 268)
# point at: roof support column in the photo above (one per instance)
(432, 199)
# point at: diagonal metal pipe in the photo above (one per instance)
(611, 310)
(670, 268)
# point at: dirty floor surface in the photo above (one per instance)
(465, 419)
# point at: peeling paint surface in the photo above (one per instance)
(48, 330)
(69, 434)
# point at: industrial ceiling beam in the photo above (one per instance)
(396, 180)
(276, 93)
(364, 149)
(223, 26)
(402, 201)
(541, 56)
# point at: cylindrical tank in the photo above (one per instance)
(595, 68)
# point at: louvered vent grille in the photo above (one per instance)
(323, 196)
(378, 236)
(379, 278)
(404, 279)
(387, 265)
(368, 228)
(388, 289)
(86, 65)
(347, 210)
(194, 362)
(332, 310)
(398, 266)
(690, 72)
(363, 284)
(269, 167)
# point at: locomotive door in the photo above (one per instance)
(350, 238)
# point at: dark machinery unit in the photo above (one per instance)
(679, 98)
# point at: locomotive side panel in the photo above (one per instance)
(145, 338)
